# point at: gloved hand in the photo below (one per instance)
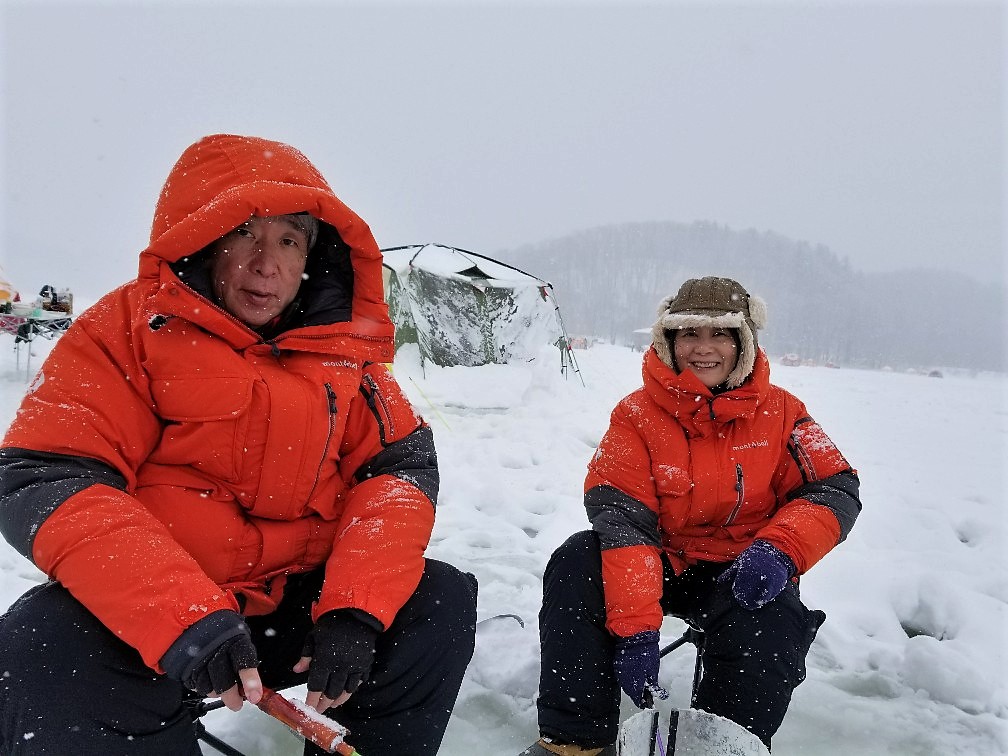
(758, 574)
(339, 651)
(207, 657)
(637, 661)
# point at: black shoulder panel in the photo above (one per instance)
(619, 519)
(34, 484)
(839, 493)
(412, 458)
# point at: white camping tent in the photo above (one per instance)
(462, 308)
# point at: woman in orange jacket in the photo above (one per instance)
(227, 487)
(709, 495)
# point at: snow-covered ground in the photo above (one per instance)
(912, 659)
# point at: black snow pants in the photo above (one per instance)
(752, 660)
(69, 686)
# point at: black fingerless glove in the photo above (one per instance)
(207, 656)
(342, 650)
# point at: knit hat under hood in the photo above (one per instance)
(717, 303)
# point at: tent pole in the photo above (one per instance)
(565, 350)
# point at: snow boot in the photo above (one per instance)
(545, 748)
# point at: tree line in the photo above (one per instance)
(609, 281)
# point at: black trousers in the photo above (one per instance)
(68, 685)
(752, 660)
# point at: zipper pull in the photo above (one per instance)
(740, 489)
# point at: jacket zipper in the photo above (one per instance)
(370, 396)
(740, 489)
(285, 336)
(331, 398)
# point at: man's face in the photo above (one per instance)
(257, 268)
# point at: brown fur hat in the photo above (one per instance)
(718, 303)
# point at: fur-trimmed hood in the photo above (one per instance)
(717, 303)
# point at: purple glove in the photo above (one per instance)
(636, 664)
(758, 574)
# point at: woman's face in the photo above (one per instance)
(257, 268)
(711, 353)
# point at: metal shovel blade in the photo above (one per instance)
(697, 733)
(637, 735)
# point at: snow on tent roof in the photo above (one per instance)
(463, 308)
(448, 261)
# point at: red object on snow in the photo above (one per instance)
(309, 724)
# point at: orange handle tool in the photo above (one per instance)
(309, 724)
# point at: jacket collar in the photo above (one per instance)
(699, 410)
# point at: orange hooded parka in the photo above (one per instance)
(700, 476)
(168, 461)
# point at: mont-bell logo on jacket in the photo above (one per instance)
(762, 443)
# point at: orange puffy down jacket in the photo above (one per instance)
(701, 476)
(168, 462)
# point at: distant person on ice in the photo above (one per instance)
(228, 488)
(709, 495)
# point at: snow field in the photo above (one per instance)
(912, 658)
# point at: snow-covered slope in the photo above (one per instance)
(926, 559)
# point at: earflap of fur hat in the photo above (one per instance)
(757, 311)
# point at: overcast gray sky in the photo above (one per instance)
(876, 129)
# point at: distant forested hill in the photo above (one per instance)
(609, 281)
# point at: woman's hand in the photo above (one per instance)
(758, 574)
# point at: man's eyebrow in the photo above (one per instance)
(292, 223)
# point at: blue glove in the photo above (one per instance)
(758, 574)
(636, 664)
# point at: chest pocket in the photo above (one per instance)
(206, 421)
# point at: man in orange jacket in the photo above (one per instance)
(710, 493)
(226, 486)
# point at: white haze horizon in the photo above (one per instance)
(876, 130)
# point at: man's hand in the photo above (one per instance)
(338, 654)
(215, 657)
(229, 673)
(758, 574)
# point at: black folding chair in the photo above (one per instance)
(200, 707)
(696, 637)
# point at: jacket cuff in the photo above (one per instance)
(199, 640)
(358, 614)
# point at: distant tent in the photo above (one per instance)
(462, 308)
(7, 291)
